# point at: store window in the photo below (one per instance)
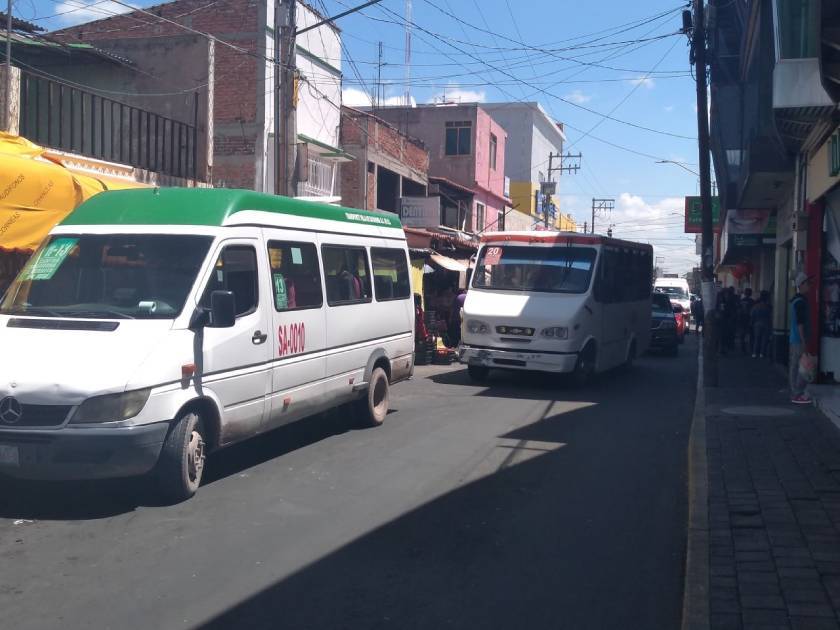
(493, 145)
(347, 275)
(295, 275)
(390, 274)
(458, 137)
(236, 271)
(797, 28)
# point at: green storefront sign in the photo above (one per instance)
(694, 215)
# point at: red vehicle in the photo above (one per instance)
(681, 316)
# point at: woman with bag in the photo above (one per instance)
(799, 336)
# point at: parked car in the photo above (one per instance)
(663, 325)
(681, 317)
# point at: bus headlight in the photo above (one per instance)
(112, 407)
(477, 327)
(555, 332)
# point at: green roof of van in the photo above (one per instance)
(207, 206)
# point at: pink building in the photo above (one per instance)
(466, 149)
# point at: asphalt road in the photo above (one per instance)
(520, 504)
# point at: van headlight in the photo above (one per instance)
(555, 332)
(112, 407)
(477, 327)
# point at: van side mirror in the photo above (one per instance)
(678, 308)
(222, 309)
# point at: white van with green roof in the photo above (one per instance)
(155, 326)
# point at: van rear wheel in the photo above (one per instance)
(374, 406)
(181, 464)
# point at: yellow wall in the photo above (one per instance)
(522, 198)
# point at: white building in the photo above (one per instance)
(318, 59)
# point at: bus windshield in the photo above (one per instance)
(675, 292)
(122, 276)
(541, 269)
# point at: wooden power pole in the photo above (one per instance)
(285, 115)
(710, 328)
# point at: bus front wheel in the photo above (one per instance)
(478, 373)
(585, 367)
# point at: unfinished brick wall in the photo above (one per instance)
(237, 89)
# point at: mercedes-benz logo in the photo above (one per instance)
(11, 411)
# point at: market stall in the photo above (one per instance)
(36, 192)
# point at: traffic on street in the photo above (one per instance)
(522, 501)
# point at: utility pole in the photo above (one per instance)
(601, 205)
(574, 168)
(710, 328)
(285, 114)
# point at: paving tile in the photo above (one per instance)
(813, 623)
(811, 610)
(762, 602)
(809, 596)
(722, 621)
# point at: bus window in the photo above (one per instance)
(539, 269)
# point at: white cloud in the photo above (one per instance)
(578, 97)
(80, 11)
(668, 108)
(647, 82)
(354, 97)
(454, 94)
(659, 223)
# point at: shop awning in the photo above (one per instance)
(450, 264)
(37, 191)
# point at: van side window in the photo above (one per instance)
(295, 275)
(235, 270)
(347, 274)
(390, 274)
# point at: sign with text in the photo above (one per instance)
(694, 215)
(420, 212)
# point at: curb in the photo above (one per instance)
(696, 614)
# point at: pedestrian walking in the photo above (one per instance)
(744, 327)
(800, 334)
(761, 320)
(697, 314)
(728, 307)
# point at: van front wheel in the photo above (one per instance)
(181, 465)
(374, 406)
(585, 367)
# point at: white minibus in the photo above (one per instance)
(556, 302)
(155, 326)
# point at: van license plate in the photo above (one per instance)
(9, 455)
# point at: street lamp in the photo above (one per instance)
(680, 164)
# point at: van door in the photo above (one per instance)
(298, 327)
(235, 360)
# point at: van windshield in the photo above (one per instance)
(124, 276)
(541, 269)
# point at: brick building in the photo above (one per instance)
(388, 165)
(242, 87)
(467, 151)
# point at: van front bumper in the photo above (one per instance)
(75, 454)
(517, 359)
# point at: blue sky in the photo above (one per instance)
(609, 56)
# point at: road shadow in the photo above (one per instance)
(585, 532)
(88, 500)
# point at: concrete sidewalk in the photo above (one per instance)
(773, 511)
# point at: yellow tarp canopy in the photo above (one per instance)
(37, 192)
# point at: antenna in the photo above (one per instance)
(407, 59)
